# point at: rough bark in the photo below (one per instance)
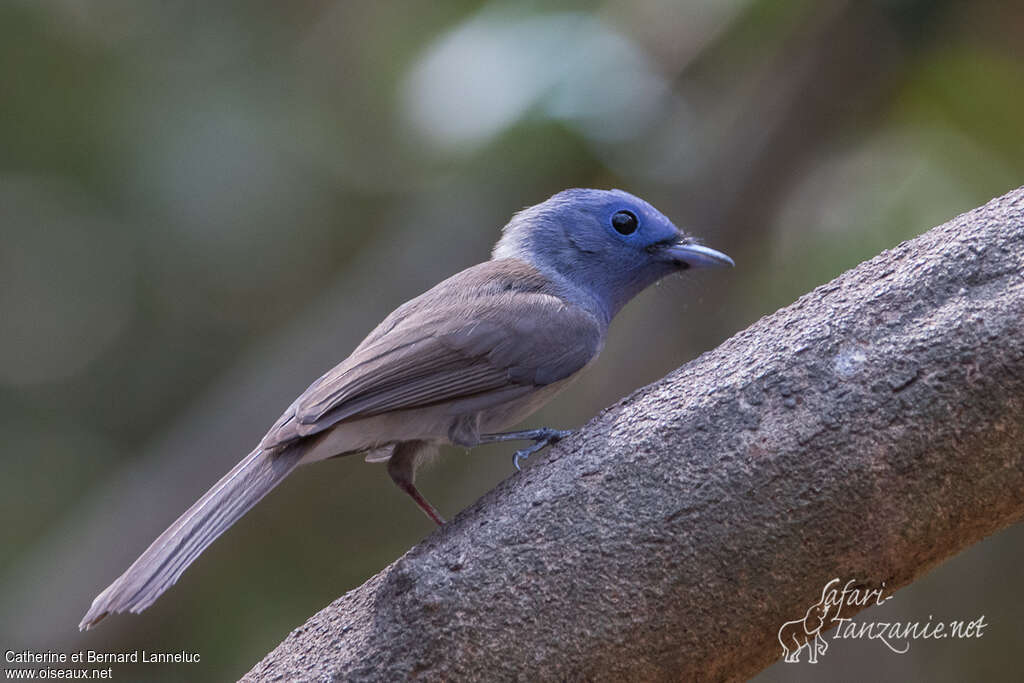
(868, 431)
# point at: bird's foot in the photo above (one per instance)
(542, 438)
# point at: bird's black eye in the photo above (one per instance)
(624, 222)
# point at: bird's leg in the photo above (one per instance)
(402, 468)
(424, 504)
(542, 438)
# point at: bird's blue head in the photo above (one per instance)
(607, 243)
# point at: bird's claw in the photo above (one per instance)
(521, 454)
(544, 438)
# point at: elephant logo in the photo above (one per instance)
(798, 634)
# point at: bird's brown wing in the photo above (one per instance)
(477, 338)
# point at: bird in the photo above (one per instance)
(472, 356)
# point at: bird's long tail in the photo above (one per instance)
(159, 567)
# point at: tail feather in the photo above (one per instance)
(159, 567)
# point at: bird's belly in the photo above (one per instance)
(501, 417)
(431, 423)
(423, 424)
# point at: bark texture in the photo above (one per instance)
(868, 431)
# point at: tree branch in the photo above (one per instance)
(868, 431)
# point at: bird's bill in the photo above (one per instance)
(698, 256)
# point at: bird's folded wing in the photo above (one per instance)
(482, 344)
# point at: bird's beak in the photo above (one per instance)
(697, 256)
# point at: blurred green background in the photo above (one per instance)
(203, 206)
